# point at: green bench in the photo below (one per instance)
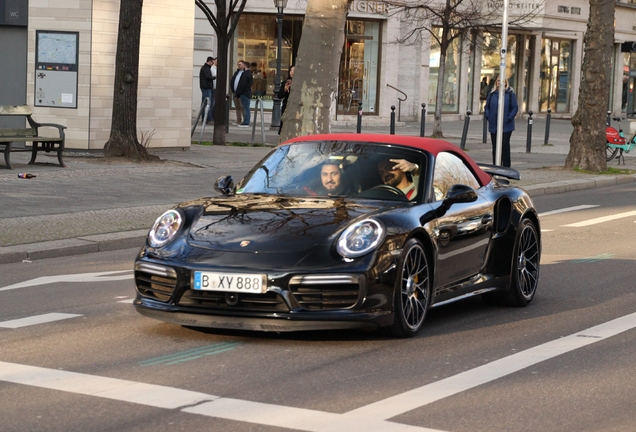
(30, 134)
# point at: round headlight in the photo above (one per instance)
(360, 238)
(164, 229)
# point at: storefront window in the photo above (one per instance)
(256, 42)
(554, 82)
(358, 79)
(452, 70)
(628, 63)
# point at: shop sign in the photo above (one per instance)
(371, 7)
(513, 6)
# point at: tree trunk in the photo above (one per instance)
(587, 142)
(123, 140)
(315, 81)
(437, 124)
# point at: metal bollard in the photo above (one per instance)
(465, 132)
(609, 118)
(359, 126)
(227, 113)
(485, 133)
(392, 130)
(423, 121)
(547, 127)
(529, 138)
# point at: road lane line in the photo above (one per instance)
(416, 398)
(193, 402)
(37, 319)
(567, 209)
(372, 417)
(109, 388)
(81, 277)
(295, 418)
(602, 219)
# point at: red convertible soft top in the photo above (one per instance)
(430, 145)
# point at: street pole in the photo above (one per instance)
(502, 79)
(276, 108)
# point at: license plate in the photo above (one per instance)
(230, 282)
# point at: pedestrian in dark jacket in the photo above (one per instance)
(510, 111)
(241, 86)
(283, 93)
(206, 83)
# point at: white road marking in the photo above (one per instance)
(82, 277)
(372, 417)
(433, 392)
(567, 209)
(38, 319)
(546, 230)
(188, 401)
(602, 219)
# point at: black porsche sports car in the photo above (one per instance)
(343, 231)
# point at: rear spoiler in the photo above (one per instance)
(496, 170)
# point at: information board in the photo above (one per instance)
(56, 69)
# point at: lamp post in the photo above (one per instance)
(280, 5)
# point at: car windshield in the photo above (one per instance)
(336, 168)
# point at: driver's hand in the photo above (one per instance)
(404, 165)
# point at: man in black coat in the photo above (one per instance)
(206, 83)
(241, 86)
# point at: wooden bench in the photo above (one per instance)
(30, 134)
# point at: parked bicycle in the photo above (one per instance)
(616, 142)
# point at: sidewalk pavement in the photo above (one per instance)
(99, 205)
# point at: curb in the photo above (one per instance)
(73, 246)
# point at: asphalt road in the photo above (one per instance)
(564, 363)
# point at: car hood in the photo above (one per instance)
(272, 224)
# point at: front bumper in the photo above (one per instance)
(276, 322)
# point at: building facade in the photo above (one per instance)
(63, 57)
(64, 52)
(543, 62)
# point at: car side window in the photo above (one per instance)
(450, 170)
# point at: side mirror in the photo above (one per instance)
(225, 185)
(457, 194)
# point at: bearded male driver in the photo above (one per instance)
(331, 178)
(401, 174)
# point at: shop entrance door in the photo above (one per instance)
(358, 79)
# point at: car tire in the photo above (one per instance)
(412, 292)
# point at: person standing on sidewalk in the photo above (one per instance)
(510, 111)
(283, 93)
(207, 83)
(241, 85)
(237, 101)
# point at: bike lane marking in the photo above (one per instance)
(370, 417)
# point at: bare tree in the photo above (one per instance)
(224, 22)
(315, 81)
(446, 21)
(123, 140)
(587, 142)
